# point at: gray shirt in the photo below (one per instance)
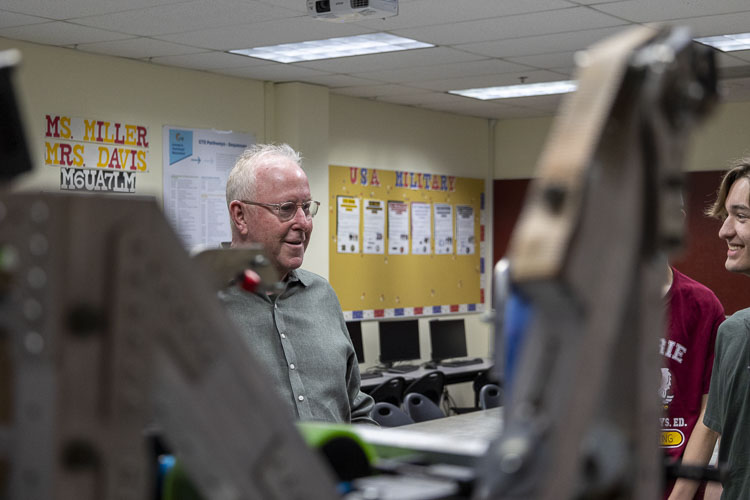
(301, 337)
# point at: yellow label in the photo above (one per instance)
(672, 438)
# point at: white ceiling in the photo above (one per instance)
(478, 42)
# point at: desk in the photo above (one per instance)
(484, 425)
(438, 438)
(453, 374)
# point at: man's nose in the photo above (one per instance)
(301, 218)
(725, 231)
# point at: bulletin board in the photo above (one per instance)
(378, 271)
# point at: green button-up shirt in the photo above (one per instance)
(301, 337)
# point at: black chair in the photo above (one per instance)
(391, 391)
(430, 384)
(421, 408)
(490, 396)
(388, 415)
(482, 379)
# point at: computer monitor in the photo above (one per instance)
(448, 339)
(355, 333)
(399, 340)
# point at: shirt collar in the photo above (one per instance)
(300, 277)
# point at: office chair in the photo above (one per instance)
(482, 379)
(388, 415)
(421, 408)
(430, 384)
(490, 396)
(390, 391)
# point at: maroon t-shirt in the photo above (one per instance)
(694, 315)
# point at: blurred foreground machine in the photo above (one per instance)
(586, 261)
(107, 326)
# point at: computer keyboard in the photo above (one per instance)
(461, 362)
(366, 375)
(402, 368)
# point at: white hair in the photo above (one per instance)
(241, 181)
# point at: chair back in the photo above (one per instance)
(482, 379)
(391, 391)
(490, 396)
(430, 384)
(421, 408)
(388, 415)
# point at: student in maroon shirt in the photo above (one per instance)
(694, 315)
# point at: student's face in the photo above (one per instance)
(285, 242)
(736, 227)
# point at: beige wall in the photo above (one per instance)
(723, 136)
(326, 128)
(68, 82)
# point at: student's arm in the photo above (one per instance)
(698, 451)
(713, 491)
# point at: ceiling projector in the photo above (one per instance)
(351, 10)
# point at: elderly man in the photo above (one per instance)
(299, 334)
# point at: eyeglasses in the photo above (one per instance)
(287, 210)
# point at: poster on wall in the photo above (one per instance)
(96, 154)
(398, 228)
(373, 239)
(420, 228)
(465, 230)
(196, 164)
(443, 228)
(347, 224)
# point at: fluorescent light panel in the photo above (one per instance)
(312, 50)
(523, 90)
(727, 43)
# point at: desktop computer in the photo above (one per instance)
(448, 340)
(399, 342)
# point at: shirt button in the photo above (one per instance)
(291, 366)
(283, 335)
(301, 397)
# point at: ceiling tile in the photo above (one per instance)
(185, 17)
(261, 34)
(10, 19)
(208, 60)
(137, 48)
(68, 9)
(444, 71)
(641, 11)
(541, 44)
(471, 82)
(392, 60)
(546, 61)
(715, 25)
(480, 42)
(538, 23)
(430, 12)
(60, 33)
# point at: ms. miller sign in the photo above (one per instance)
(96, 155)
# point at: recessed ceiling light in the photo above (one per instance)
(521, 90)
(312, 50)
(727, 43)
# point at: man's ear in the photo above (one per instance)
(239, 217)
